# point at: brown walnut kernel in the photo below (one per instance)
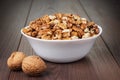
(50, 27)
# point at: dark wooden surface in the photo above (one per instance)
(102, 62)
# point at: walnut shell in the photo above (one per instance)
(14, 62)
(33, 65)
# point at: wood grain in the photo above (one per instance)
(103, 63)
(99, 64)
(38, 9)
(95, 66)
(106, 14)
(12, 18)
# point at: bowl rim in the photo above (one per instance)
(99, 27)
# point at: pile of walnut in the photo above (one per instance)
(31, 65)
(61, 27)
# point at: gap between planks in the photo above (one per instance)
(100, 35)
(24, 25)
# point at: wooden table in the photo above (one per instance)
(102, 62)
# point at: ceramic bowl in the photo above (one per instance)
(62, 51)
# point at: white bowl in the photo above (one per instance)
(62, 51)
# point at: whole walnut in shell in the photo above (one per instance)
(33, 65)
(14, 62)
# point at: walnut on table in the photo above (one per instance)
(33, 65)
(14, 62)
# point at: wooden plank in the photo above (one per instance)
(107, 14)
(12, 18)
(98, 65)
(38, 9)
(103, 62)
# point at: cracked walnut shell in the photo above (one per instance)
(33, 65)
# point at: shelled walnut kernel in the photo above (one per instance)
(52, 27)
